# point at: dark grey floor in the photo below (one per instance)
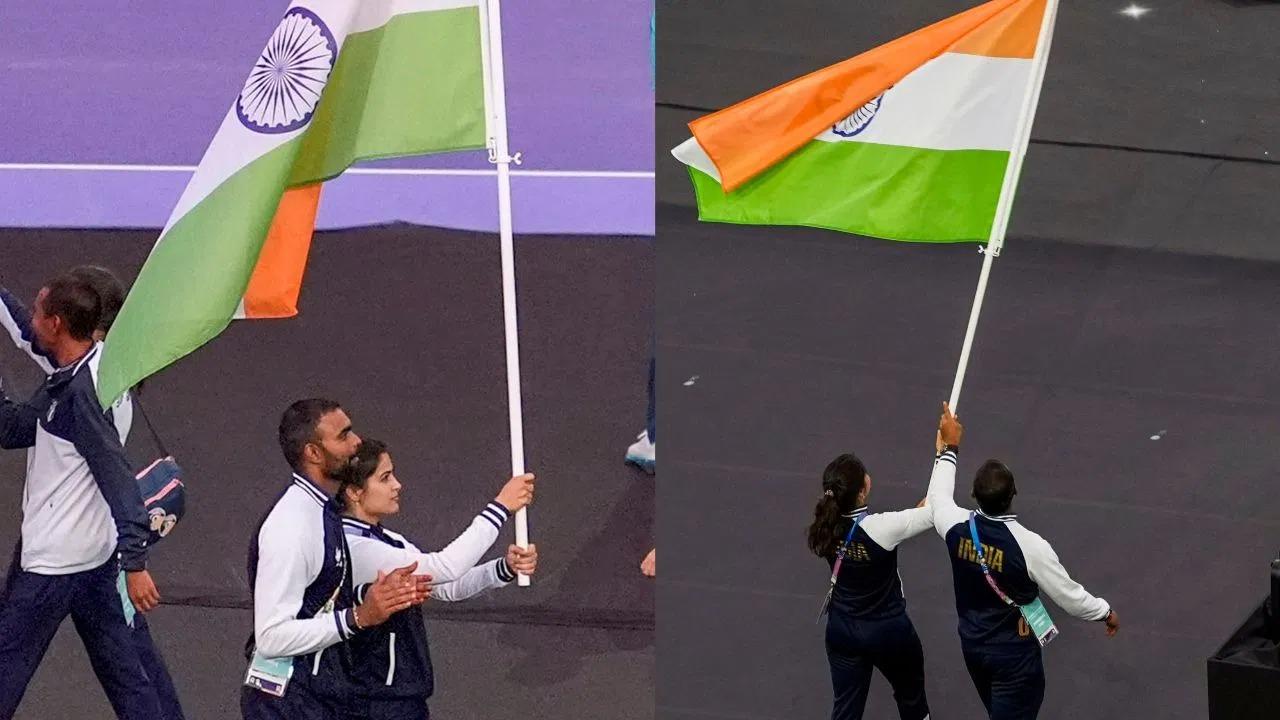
(483, 670)
(782, 348)
(404, 326)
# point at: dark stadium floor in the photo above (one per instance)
(783, 347)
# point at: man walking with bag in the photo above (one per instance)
(83, 518)
(15, 319)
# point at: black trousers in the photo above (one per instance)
(1009, 679)
(856, 646)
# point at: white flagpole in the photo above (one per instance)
(498, 154)
(1001, 221)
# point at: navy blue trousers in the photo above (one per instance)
(398, 709)
(1009, 679)
(33, 608)
(153, 665)
(300, 703)
(856, 646)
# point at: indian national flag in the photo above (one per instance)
(338, 81)
(908, 141)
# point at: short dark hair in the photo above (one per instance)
(298, 426)
(993, 487)
(359, 469)
(74, 300)
(109, 288)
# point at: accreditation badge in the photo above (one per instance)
(270, 675)
(1038, 620)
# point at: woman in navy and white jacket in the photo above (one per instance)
(867, 625)
(392, 662)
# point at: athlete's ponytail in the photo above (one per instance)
(842, 484)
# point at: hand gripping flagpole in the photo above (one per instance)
(496, 95)
(1001, 221)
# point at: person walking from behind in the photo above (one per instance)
(999, 569)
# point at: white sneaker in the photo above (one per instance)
(643, 453)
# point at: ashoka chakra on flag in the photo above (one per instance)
(284, 86)
(859, 120)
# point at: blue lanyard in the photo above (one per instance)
(982, 560)
(835, 568)
(844, 547)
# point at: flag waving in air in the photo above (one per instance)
(338, 81)
(910, 140)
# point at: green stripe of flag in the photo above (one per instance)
(883, 191)
(412, 86)
(181, 298)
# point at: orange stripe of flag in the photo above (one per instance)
(746, 139)
(1011, 34)
(277, 278)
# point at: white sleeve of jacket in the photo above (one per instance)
(288, 561)
(444, 566)
(890, 529)
(493, 574)
(940, 498)
(1047, 572)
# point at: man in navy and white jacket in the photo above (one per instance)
(304, 604)
(82, 515)
(15, 319)
(1001, 652)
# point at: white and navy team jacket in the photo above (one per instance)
(393, 660)
(300, 576)
(869, 585)
(80, 503)
(1022, 563)
(15, 318)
